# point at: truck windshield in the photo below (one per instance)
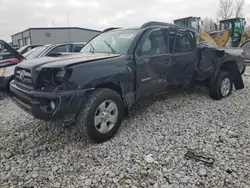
(111, 42)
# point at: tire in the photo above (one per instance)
(215, 89)
(246, 48)
(92, 110)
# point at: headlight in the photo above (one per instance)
(61, 75)
(50, 78)
(3, 71)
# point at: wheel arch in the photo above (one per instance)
(117, 88)
(112, 86)
(232, 67)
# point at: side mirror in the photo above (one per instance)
(245, 23)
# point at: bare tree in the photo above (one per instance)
(239, 6)
(208, 24)
(231, 8)
(225, 9)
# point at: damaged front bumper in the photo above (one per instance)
(48, 105)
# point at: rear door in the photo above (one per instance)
(152, 57)
(184, 58)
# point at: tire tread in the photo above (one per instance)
(82, 116)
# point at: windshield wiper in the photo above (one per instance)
(112, 49)
(93, 49)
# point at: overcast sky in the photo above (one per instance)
(18, 15)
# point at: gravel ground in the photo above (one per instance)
(148, 151)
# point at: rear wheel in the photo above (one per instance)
(101, 115)
(222, 87)
(246, 48)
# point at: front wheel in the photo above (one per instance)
(101, 115)
(222, 87)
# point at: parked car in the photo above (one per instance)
(8, 65)
(116, 69)
(22, 50)
(54, 50)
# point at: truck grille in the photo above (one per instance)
(23, 78)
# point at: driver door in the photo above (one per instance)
(152, 61)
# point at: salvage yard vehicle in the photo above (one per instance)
(22, 50)
(54, 49)
(7, 66)
(117, 68)
(232, 33)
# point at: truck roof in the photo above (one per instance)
(231, 19)
(151, 24)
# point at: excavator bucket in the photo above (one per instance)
(217, 39)
(221, 39)
(205, 36)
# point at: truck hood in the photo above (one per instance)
(11, 50)
(65, 60)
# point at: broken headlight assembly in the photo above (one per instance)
(49, 78)
(61, 76)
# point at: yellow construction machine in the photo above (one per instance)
(231, 33)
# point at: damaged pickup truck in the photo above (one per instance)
(117, 68)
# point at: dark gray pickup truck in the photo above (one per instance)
(117, 68)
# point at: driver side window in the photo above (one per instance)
(154, 44)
